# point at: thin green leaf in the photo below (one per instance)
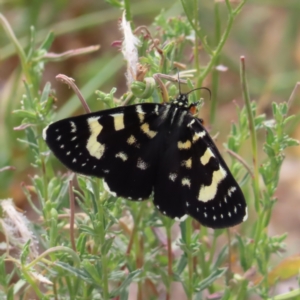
(125, 283)
(210, 279)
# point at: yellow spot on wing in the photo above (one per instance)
(95, 148)
(140, 113)
(186, 181)
(150, 133)
(131, 140)
(184, 145)
(198, 135)
(209, 192)
(187, 163)
(206, 156)
(118, 121)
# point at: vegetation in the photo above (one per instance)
(83, 243)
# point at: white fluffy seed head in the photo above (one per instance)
(129, 50)
(16, 227)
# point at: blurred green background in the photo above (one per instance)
(266, 32)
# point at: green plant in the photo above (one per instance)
(110, 243)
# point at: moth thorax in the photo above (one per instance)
(181, 101)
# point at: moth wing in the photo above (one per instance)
(193, 179)
(119, 145)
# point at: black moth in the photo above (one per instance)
(159, 148)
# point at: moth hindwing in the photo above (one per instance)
(159, 148)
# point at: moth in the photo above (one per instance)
(153, 148)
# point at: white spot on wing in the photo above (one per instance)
(95, 148)
(142, 164)
(74, 160)
(45, 132)
(183, 218)
(246, 214)
(69, 152)
(182, 116)
(165, 111)
(186, 181)
(73, 126)
(174, 114)
(207, 193)
(231, 190)
(58, 138)
(122, 155)
(191, 123)
(172, 176)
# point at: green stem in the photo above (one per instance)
(32, 283)
(259, 224)
(55, 249)
(215, 73)
(212, 249)
(252, 134)
(243, 290)
(195, 25)
(101, 228)
(196, 50)
(42, 145)
(217, 51)
(127, 10)
(170, 259)
(189, 231)
(20, 52)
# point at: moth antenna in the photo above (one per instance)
(178, 79)
(201, 88)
